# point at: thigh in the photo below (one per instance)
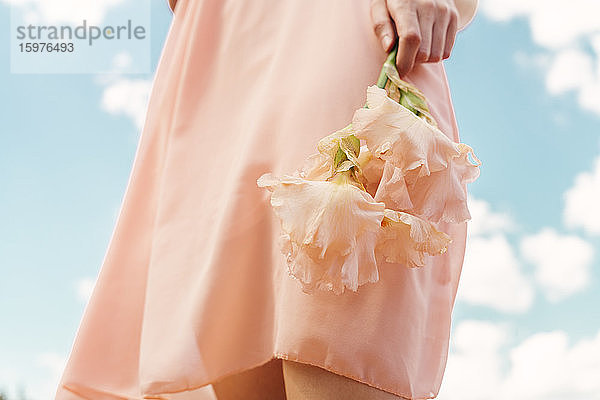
(260, 383)
(308, 382)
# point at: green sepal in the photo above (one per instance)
(417, 102)
(403, 100)
(351, 146)
(340, 156)
(345, 165)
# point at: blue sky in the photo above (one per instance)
(526, 92)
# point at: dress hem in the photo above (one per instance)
(285, 356)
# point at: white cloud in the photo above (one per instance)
(532, 61)
(64, 11)
(474, 367)
(588, 95)
(574, 19)
(84, 288)
(554, 23)
(10, 382)
(582, 200)
(562, 29)
(504, 10)
(571, 69)
(543, 353)
(54, 365)
(562, 262)
(484, 220)
(492, 276)
(122, 61)
(545, 366)
(128, 97)
(38, 381)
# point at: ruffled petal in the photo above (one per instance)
(395, 134)
(372, 170)
(435, 168)
(406, 239)
(330, 230)
(317, 167)
(392, 189)
(442, 196)
(335, 272)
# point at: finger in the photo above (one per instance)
(382, 24)
(438, 42)
(450, 34)
(426, 14)
(409, 38)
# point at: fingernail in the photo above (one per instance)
(386, 41)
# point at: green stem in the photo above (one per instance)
(391, 59)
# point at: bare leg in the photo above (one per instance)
(308, 382)
(260, 383)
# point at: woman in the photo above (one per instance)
(193, 299)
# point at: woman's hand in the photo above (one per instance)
(425, 29)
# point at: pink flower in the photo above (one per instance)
(330, 229)
(395, 134)
(442, 196)
(424, 172)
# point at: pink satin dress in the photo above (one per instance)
(193, 287)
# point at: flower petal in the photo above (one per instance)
(435, 168)
(372, 170)
(330, 230)
(392, 189)
(395, 134)
(317, 167)
(335, 272)
(442, 196)
(406, 239)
